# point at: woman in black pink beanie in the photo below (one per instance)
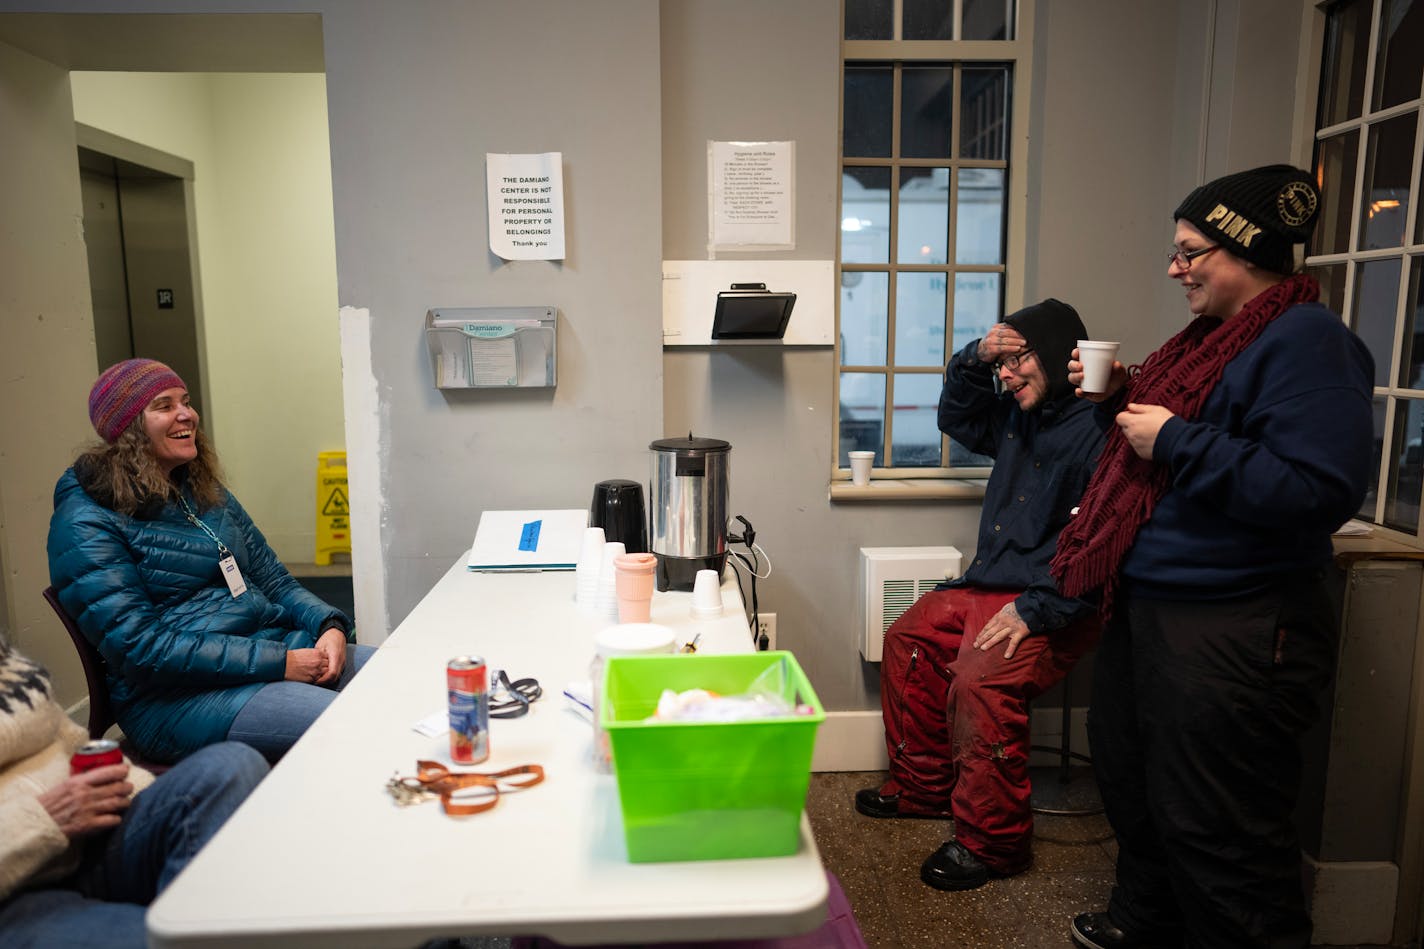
(1240, 446)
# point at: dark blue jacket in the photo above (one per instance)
(184, 655)
(1042, 462)
(1280, 455)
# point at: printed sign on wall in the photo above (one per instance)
(751, 195)
(526, 205)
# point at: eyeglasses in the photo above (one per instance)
(1184, 258)
(1012, 361)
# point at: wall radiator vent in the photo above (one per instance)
(891, 580)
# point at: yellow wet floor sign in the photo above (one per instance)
(333, 508)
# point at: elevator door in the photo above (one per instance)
(136, 236)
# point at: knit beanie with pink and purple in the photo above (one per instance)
(124, 390)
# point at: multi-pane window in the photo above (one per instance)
(927, 107)
(1368, 247)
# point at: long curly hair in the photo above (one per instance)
(126, 476)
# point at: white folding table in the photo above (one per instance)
(320, 854)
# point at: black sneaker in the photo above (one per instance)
(1098, 931)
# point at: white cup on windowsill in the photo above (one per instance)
(860, 464)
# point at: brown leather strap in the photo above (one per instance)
(439, 779)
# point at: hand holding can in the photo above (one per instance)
(95, 754)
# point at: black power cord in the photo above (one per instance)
(747, 538)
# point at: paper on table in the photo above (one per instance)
(438, 723)
(434, 724)
(528, 540)
(1354, 528)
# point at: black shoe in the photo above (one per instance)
(1097, 931)
(871, 803)
(953, 867)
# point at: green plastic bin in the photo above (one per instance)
(708, 790)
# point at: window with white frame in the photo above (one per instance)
(926, 260)
(1368, 246)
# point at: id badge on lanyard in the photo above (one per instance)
(232, 575)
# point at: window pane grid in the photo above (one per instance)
(921, 21)
(927, 181)
(1368, 250)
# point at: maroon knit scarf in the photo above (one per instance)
(1125, 488)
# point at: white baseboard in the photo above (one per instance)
(855, 741)
(850, 741)
(1352, 902)
(79, 711)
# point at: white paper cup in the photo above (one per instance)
(860, 462)
(706, 594)
(607, 600)
(1097, 357)
(590, 562)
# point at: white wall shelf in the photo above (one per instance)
(690, 297)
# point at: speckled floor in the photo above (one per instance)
(878, 864)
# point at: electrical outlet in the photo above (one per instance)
(766, 626)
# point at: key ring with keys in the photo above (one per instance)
(461, 792)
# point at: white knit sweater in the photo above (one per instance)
(36, 740)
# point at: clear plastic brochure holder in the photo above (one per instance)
(493, 347)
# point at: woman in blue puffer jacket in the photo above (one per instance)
(206, 635)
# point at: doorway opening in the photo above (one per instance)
(136, 226)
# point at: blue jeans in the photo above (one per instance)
(124, 869)
(281, 712)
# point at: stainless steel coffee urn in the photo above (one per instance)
(688, 508)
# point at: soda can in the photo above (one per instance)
(467, 684)
(95, 754)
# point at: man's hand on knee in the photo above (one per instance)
(1005, 624)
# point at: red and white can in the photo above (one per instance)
(467, 685)
(95, 754)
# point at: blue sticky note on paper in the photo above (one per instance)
(528, 540)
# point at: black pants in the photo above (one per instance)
(1197, 712)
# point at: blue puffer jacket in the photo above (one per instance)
(184, 655)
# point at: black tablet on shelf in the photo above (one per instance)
(751, 311)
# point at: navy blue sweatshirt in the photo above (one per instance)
(1279, 457)
(1042, 462)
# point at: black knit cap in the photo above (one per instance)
(1258, 215)
(1052, 329)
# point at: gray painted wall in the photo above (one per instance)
(46, 343)
(417, 94)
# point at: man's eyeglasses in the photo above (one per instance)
(1012, 361)
(1184, 258)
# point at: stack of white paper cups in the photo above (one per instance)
(586, 572)
(607, 601)
(706, 595)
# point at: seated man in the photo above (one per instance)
(956, 720)
(82, 855)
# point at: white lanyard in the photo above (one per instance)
(235, 584)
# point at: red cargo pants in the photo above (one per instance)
(956, 724)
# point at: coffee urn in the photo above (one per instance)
(688, 508)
